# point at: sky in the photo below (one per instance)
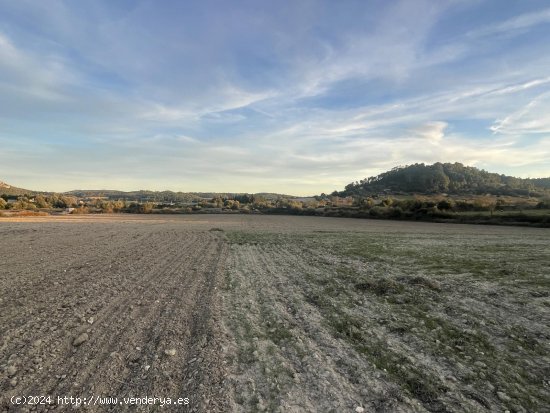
(292, 96)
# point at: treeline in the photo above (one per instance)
(29, 202)
(452, 178)
(444, 207)
(73, 203)
(476, 210)
(240, 202)
(251, 202)
(163, 196)
(137, 196)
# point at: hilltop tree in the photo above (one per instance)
(442, 178)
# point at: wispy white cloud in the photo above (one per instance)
(26, 74)
(520, 87)
(513, 25)
(531, 118)
(301, 99)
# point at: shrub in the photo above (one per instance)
(395, 212)
(381, 286)
(377, 211)
(444, 205)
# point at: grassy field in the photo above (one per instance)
(396, 321)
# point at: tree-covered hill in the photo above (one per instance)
(541, 182)
(452, 178)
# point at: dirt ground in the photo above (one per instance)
(143, 292)
(273, 313)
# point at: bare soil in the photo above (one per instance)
(139, 289)
(272, 313)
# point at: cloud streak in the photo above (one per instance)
(301, 99)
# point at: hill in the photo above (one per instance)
(452, 178)
(163, 196)
(8, 190)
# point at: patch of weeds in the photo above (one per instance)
(215, 229)
(526, 340)
(332, 290)
(381, 286)
(230, 282)
(365, 248)
(478, 398)
(242, 238)
(466, 341)
(318, 300)
(399, 328)
(279, 334)
(414, 300)
(426, 389)
(422, 282)
(345, 273)
(243, 334)
(347, 327)
(245, 355)
(383, 357)
(461, 339)
(386, 401)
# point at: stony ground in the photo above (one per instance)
(139, 298)
(268, 313)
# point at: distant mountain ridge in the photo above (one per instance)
(453, 178)
(141, 195)
(160, 196)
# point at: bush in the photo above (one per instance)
(136, 208)
(395, 212)
(444, 205)
(377, 211)
(80, 210)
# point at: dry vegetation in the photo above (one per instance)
(272, 313)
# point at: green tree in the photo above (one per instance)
(41, 202)
(444, 205)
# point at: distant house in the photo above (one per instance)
(338, 201)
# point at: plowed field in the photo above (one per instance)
(268, 313)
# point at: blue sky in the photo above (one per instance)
(297, 97)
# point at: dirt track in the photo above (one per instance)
(273, 313)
